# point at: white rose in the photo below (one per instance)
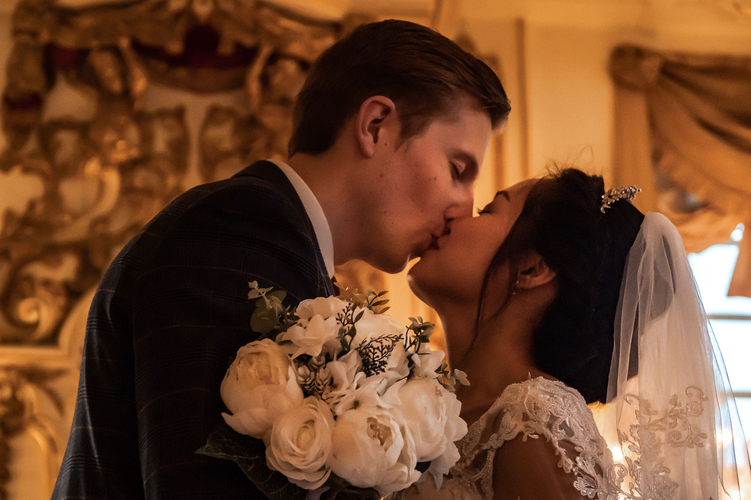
(260, 385)
(372, 448)
(431, 413)
(375, 325)
(326, 307)
(426, 361)
(300, 444)
(345, 376)
(366, 392)
(318, 335)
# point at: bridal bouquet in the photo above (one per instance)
(337, 397)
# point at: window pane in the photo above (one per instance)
(713, 269)
(744, 410)
(734, 338)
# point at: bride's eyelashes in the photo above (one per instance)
(481, 211)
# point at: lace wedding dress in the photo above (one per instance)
(534, 409)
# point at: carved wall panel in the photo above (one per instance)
(111, 109)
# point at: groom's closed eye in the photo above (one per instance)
(456, 170)
(466, 163)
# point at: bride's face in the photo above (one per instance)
(454, 269)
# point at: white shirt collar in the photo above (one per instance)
(315, 214)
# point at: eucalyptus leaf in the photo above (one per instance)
(250, 455)
(263, 321)
(461, 377)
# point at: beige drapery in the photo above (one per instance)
(683, 134)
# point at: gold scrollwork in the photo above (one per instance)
(20, 391)
(104, 176)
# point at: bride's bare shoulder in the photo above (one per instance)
(528, 469)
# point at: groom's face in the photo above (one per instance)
(425, 182)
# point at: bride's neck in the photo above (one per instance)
(499, 354)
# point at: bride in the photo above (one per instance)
(558, 298)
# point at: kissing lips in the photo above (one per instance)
(433, 245)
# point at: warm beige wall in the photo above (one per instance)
(554, 56)
(569, 97)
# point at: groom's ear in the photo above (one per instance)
(533, 272)
(369, 122)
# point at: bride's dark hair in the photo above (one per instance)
(561, 220)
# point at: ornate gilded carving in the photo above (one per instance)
(94, 153)
(79, 124)
(21, 388)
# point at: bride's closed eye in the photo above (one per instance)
(481, 211)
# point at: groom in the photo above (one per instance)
(390, 131)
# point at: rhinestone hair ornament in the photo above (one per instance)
(619, 193)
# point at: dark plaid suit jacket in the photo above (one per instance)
(169, 314)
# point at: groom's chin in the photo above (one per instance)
(417, 286)
(391, 264)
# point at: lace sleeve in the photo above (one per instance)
(537, 409)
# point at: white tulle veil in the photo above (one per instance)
(671, 419)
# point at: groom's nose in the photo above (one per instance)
(462, 204)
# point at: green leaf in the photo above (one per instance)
(263, 321)
(250, 455)
(256, 291)
(279, 294)
(461, 377)
(359, 316)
